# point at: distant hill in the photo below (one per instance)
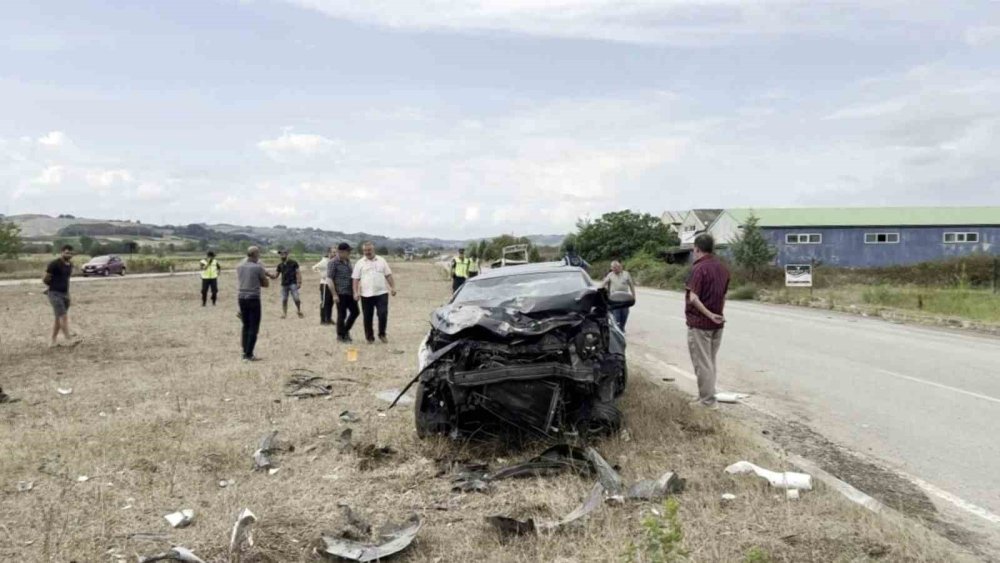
(45, 227)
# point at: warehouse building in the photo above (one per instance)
(863, 237)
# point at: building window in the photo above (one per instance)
(690, 228)
(955, 238)
(804, 238)
(881, 238)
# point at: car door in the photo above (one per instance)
(115, 265)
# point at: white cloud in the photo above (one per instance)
(51, 176)
(298, 145)
(472, 213)
(982, 35)
(53, 139)
(108, 178)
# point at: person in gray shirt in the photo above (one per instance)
(251, 277)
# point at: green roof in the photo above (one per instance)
(870, 216)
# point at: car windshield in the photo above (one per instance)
(498, 290)
(100, 260)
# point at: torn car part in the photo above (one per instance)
(668, 484)
(262, 457)
(392, 540)
(176, 553)
(783, 480)
(242, 534)
(507, 526)
(349, 417)
(606, 475)
(181, 518)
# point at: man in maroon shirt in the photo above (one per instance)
(704, 300)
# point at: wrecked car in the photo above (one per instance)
(530, 348)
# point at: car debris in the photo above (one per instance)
(668, 484)
(784, 480)
(181, 518)
(373, 455)
(507, 526)
(391, 540)
(64, 391)
(728, 497)
(262, 457)
(305, 386)
(82, 479)
(349, 417)
(730, 398)
(606, 475)
(792, 494)
(223, 483)
(5, 398)
(529, 350)
(25, 486)
(242, 535)
(176, 553)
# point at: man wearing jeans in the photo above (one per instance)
(340, 271)
(250, 276)
(704, 300)
(372, 285)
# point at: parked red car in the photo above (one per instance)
(104, 266)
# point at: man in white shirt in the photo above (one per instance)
(373, 284)
(325, 296)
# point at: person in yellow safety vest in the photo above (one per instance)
(459, 270)
(474, 268)
(209, 278)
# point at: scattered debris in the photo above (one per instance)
(786, 480)
(392, 540)
(66, 391)
(223, 483)
(606, 475)
(669, 379)
(668, 484)
(273, 470)
(726, 397)
(304, 386)
(508, 527)
(372, 456)
(181, 518)
(792, 494)
(176, 553)
(5, 398)
(728, 496)
(357, 522)
(25, 486)
(262, 457)
(464, 485)
(242, 536)
(395, 396)
(554, 460)
(348, 416)
(82, 479)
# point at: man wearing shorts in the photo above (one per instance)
(57, 278)
(291, 281)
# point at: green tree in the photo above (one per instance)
(481, 251)
(622, 234)
(473, 251)
(10, 239)
(750, 250)
(86, 244)
(299, 248)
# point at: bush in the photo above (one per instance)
(149, 265)
(743, 293)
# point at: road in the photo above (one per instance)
(924, 402)
(76, 279)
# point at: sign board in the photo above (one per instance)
(798, 275)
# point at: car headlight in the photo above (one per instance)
(588, 344)
(423, 354)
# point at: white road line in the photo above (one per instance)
(958, 502)
(939, 385)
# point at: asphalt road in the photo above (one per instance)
(925, 402)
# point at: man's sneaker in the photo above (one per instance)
(284, 315)
(347, 338)
(370, 340)
(301, 316)
(383, 339)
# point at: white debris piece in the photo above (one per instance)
(82, 479)
(728, 496)
(180, 518)
(786, 480)
(792, 494)
(242, 534)
(727, 397)
(25, 486)
(65, 391)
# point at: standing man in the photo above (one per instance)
(340, 272)
(372, 284)
(209, 278)
(459, 270)
(704, 300)
(250, 277)
(57, 279)
(621, 293)
(325, 296)
(291, 281)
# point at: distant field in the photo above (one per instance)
(162, 409)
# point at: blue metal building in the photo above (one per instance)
(869, 237)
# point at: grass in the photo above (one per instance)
(162, 410)
(33, 265)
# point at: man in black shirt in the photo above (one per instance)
(291, 281)
(57, 278)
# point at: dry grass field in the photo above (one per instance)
(162, 410)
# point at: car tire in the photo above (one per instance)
(605, 419)
(107, 272)
(122, 272)
(430, 419)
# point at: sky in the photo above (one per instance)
(464, 119)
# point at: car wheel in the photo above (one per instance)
(107, 272)
(604, 419)
(430, 415)
(122, 272)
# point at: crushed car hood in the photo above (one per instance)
(523, 316)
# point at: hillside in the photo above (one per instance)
(43, 227)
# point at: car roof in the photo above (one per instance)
(535, 268)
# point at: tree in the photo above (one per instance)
(86, 244)
(481, 251)
(622, 234)
(751, 250)
(10, 239)
(473, 251)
